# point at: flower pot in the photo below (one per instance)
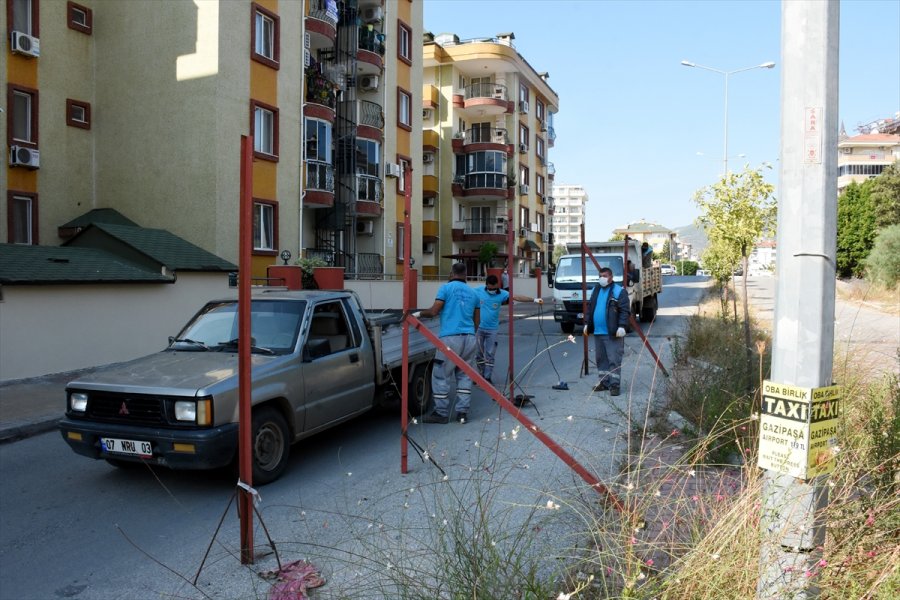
(289, 276)
(329, 278)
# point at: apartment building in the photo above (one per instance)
(652, 233)
(568, 213)
(140, 107)
(488, 128)
(865, 156)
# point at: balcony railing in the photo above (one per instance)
(551, 133)
(497, 91)
(483, 225)
(371, 40)
(363, 112)
(551, 170)
(485, 180)
(368, 264)
(482, 135)
(320, 90)
(369, 189)
(319, 9)
(319, 176)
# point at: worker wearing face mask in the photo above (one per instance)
(491, 298)
(606, 318)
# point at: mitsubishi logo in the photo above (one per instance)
(124, 409)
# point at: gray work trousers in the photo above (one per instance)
(445, 370)
(609, 351)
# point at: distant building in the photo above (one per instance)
(569, 207)
(652, 233)
(762, 259)
(865, 156)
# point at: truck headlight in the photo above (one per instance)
(194, 411)
(78, 401)
(559, 306)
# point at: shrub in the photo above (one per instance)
(883, 263)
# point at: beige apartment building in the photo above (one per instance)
(140, 107)
(865, 156)
(488, 128)
(568, 213)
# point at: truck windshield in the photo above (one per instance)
(569, 268)
(274, 326)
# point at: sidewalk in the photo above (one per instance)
(32, 406)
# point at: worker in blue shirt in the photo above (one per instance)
(606, 318)
(458, 306)
(491, 298)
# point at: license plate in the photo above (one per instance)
(130, 447)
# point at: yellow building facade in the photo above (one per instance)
(488, 128)
(140, 107)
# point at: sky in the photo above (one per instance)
(641, 132)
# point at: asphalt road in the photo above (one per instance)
(71, 527)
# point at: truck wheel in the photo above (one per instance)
(270, 440)
(567, 327)
(648, 312)
(420, 390)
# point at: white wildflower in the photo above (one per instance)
(565, 354)
(692, 473)
(445, 478)
(630, 486)
(349, 473)
(569, 418)
(606, 430)
(476, 444)
(571, 338)
(641, 576)
(658, 493)
(415, 421)
(563, 595)
(426, 456)
(715, 557)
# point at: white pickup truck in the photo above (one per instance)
(567, 296)
(318, 359)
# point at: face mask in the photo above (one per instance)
(603, 282)
(493, 291)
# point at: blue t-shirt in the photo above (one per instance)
(457, 314)
(600, 311)
(490, 308)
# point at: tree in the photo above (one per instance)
(617, 237)
(735, 212)
(883, 263)
(855, 228)
(486, 254)
(885, 196)
(558, 252)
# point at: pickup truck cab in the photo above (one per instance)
(317, 359)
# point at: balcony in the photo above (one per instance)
(321, 24)
(485, 138)
(320, 91)
(370, 52)
(364, 265)
(430, 231)
(430, 96)
(485, 186)
(431, 140)
(319, 185)
(369, 196)
(365, 114)
(429, 186)
(490, 99)
(551, 136)
(551, 170)
(487, 229)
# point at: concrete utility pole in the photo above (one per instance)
(792, 526)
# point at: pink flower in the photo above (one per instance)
(823, 563)
(695, 498)
(870, 554)
(674, 433)
(633, 540)
(720, 497)
(870, 520)
(649, 562)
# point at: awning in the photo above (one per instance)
(530, 245)
(468, 255)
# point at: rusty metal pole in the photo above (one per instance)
(245, 418)
(585, 364)
(407, 287)
(510, 248)
(625, 266)
(537, 274)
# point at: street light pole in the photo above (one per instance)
(726, 74)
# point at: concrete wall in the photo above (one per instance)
(51, 329)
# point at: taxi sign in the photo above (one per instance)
(798, 429)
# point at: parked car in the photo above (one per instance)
(703, 273)
(666, 270)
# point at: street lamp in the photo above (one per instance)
(765, 65)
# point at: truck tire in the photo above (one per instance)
(648, 312)
(271, 443)
(419, 390)
(567, 327)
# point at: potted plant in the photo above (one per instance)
(308, 266)
(486, 254)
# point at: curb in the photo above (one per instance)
(14, 432)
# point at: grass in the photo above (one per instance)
(865, 292)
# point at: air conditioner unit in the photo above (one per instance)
(372, 14)
(847, 150)
(544, 127)
(523, 232)
(365, 228)
(428, 158)
(22, 43)
(369, 82)
(426, 114)
(392, 170)
(523, 189)
(428, 248)
(306, 40)
(499, 137)
(499, 93)
(19, 156)
(523, 107)
(307, 58)
(523, 148)
(427, 201)
(535, 228)
(501, 219)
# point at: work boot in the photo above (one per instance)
(601, 387)
(436, 418)
(462, 418)
(614, 390)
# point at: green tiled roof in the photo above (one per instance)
(22, 264)
(164, 247)
(643, 227)
(99, 215)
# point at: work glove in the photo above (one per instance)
(538, 300)
(584, 331)
(418, 315)
(620, 332)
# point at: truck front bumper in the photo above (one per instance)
(175, 448)
(563, 316)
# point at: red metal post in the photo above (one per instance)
(515, 412)
(537, 274)
(585, 364)
(625, 269)
(407, 306)
(510, 249)
(245, 419)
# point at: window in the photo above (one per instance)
(524, 175)
(265, 36)
(80, 18)
(404, 42)
(22, 119)
(539, 184)
(401, 239)
(486, 170)
(368, 157)
(539, 110)
(264, 128)
(21, 217)
(523, 135)
(405, 162)
(329, 324)
(541, 223)
(24, 16)
(265, 231)
(480, 132)
(404, 109)
(539, 147)
(78, 114)
(523, 93)
(523, 216)
(319, 170)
